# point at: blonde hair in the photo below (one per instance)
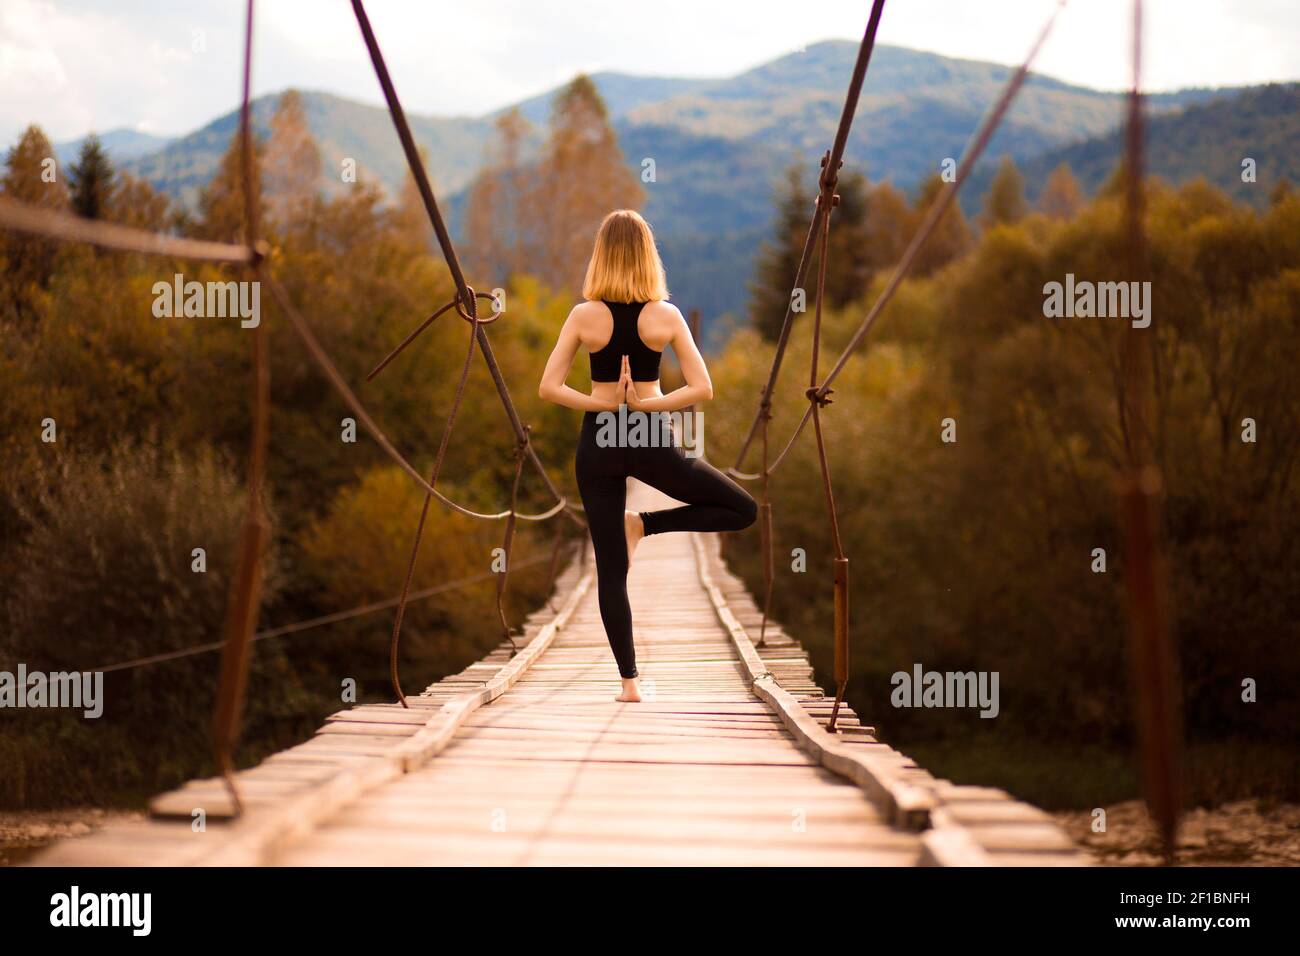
(625, 265)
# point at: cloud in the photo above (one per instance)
(78, 65)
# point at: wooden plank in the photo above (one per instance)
(726, 762)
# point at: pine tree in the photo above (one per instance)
(774, 275)
(1005, 200)
(869, 230)
(848, 267)
(91, 180)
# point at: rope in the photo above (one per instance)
(334, 618)
(424, 512)
(507, 543)
(245, 592)
(466, 305)
(246, 587)
(967, 162)
(68, 227)
(335, 378)
(818, 395)
(969, 158)
(454, 303)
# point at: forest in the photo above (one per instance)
(973, 544)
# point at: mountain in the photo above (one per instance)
(121, 145)
(720, 146)
(344, 129)
(1207, 139)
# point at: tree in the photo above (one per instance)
(91, 180)
(1005, 200)
(888, 227)
(133, 202)
(31, 176)
(581, 178)
(951, 236)
(853, 258)
(541, 219)
(778, 259)
(410, 218)
(1281, 192)
(1061, 198)
(495, 223)
(292, 163)
(221, 202)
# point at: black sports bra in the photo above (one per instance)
(644, 361)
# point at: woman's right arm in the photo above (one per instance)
(553, 387)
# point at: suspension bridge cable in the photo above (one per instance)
(299, 626)
(970, 156)
(69, 227)
(335, 378)
(938, 207)
(831, 164)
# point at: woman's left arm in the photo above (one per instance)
(698, 387)
(553, 387)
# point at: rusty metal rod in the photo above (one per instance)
(1152, 649)
(970, 156)
(445, 244)
(847, 113)
(507, 543)
(246, 588)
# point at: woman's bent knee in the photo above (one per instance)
(746, 512)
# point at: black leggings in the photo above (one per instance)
(713, 503)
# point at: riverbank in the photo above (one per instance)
(1241, 833)
(25, 832)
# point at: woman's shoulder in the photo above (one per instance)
(589, 309)
(662, 309)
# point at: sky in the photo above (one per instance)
(170, 66)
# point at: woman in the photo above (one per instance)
(625, 324)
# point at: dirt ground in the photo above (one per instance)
(1234, 834)
(24, 832)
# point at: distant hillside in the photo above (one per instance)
(720, 145)
(1205, 140)
(121, 145)
(344, 129)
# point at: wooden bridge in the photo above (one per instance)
(527, 759)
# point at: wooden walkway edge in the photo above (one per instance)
(962, 825)
(525, 759)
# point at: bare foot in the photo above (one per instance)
(631, 692)
(633, 530)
